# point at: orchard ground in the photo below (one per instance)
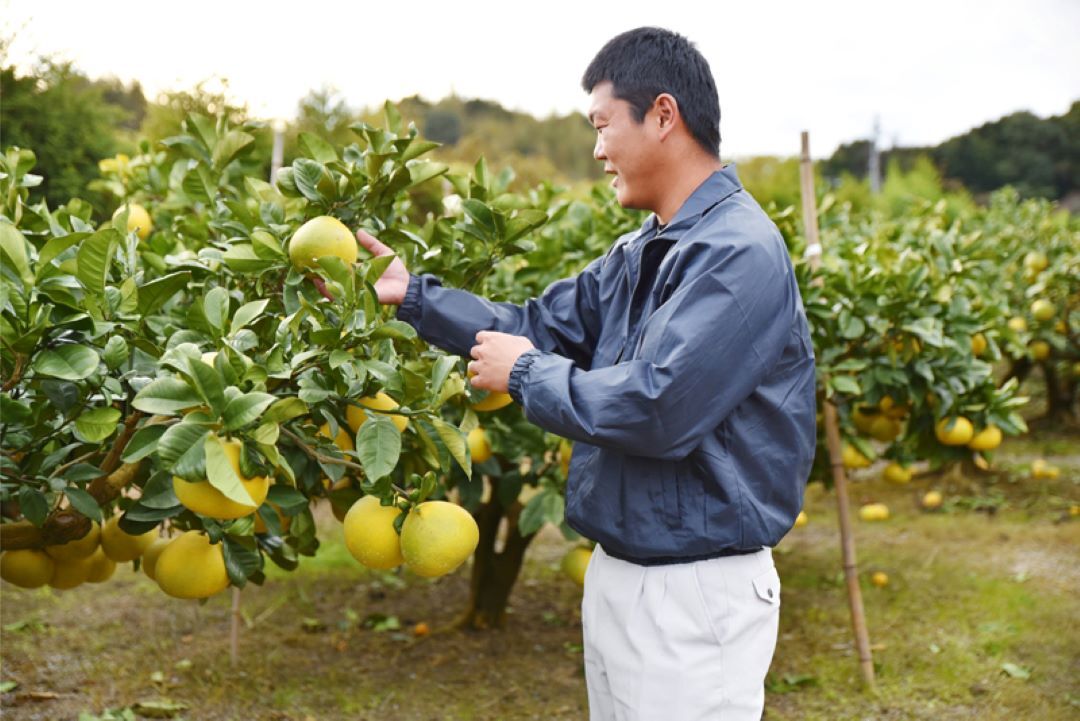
(977, 621)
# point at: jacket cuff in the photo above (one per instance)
(518, 373)
(411, 308)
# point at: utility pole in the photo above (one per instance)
(874, 169)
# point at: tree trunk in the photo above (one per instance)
(494, 573)
(1060, 396)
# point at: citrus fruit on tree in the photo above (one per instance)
(1042, 310)
(320, 238)
(896, 473)
(121, 546)
(1018, 324)
(493, 402)
(191, 567)
(874, 512)
(370, 535)
(101, 567)
(1040, 350)
(69, 574)
(575, 563)
(78, 548)
(853, 458)
(956, 431)
(437, 537)
(379, 402)
(204, 498)
(987, 439)
(26, 568)
(150, 557)
(978, 344)
(138, 220)
(479, 447)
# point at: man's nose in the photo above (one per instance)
(598, 150)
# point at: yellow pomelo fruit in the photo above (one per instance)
(437, 537)
(1040, 350)
(494, 401)
(203, 498)
(932, 499)
(1040, 469)
(575, 563)
(1036, 261)
(101, 567)
(370, 535)
(379, 402)
(863, 419)
(479, 448)
(69, 574)
(978, 344)
(191, 567)
(885, 429)
(874, 512)
(1043, 310)
(566, 449)
(343, 440)
(150, 558)
(321, 237)
(26, 568)
(853, 458)
(123, 547)
(79, 548)
(956, 431)
(801, 520)
(138, 220)
(896, 473)
(1018, 324)
(987, 439)
(879, 579)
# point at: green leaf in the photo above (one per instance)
(846, 384)
(222, 475)
(154, 294)
(286, 498)
(545, 507)
(245, 409)
(95, 257)
(216, 308)
(455, 443)
(1016, 671)
(115, 352)
(69, 362)
(422, 171)
(182, 450)
(208, 383)
(480, 213)
(240, 561)
(34, 505)
(229, 147)
(317, 148)
(307, 174)
(247, 313)
(13, 248)
(378, 443)
(377, 266)
(84, 503)
(395, 329)
(242, 258)
(97, 424)
(167, 396)
(143, 443)
(285, 409)
(524, 222)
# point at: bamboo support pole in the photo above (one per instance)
(832, 439)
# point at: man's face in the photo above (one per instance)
(625, 146)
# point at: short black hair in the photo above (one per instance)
(642, 64)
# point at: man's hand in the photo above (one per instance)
(495, 355)
(393, 283)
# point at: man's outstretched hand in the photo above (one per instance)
(392, 284)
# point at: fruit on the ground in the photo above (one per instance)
(1043, 310)
(978, 344)
(1018, 324)
(1040, 469)
(932, 499)
(370, 535)
(987, 439)
(150, 558)
(191, 567)
(575, 563)
(379, 402)
(320, 238)
(1040, 350)
(121, 546)
(421, 629)
(26, 568)
(79, 548)
(874, 512)
(896, 473)
(954, 431)
(853, 458)
(479, 447)
(138, 220)
(101, 567)
(879, 579)
(204, 498)
(437, 537)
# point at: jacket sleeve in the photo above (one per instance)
(704, 351)
(564, 320)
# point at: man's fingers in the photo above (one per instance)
(373, 244)
(474, 352)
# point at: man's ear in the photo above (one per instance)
(666, 114)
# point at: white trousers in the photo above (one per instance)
(680, 642)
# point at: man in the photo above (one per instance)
(681, 364)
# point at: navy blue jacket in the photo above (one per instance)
(681, 365)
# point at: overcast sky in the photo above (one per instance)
(928, 68)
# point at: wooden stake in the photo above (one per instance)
(832, 439)
(234, 628)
